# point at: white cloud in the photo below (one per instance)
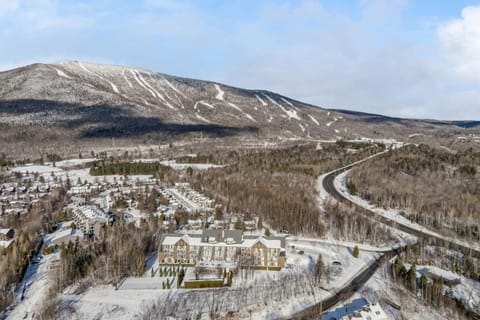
(8, 6)
(460, 39)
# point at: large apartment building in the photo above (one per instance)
(223, 246)
(89, 220)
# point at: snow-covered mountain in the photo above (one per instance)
(84, 100)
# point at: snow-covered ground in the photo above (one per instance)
(182, 166)
(392, 214)
(36, 284)
(104, 302)
(49, 172)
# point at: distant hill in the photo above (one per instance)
(71, 102)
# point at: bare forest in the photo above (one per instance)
(436, 188)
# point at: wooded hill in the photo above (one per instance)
(438, 189)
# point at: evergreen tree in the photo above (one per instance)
(356, 252)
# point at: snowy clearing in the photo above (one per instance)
(36, 286)
(220, 93)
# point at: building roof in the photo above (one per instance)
(223, 238)
(5, 230)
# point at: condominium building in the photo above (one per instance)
(224, 246)
(89, 220)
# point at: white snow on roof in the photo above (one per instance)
(246, 243)
(4, 231)
(6, 243)
(220, 93)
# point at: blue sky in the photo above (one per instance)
(397, 57)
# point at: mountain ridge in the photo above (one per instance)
(74, 100)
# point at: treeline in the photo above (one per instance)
(346, 223)
(121, 251)
(103, 167)
(278, 185)
(200, 158)
(430, 290)
(439, 189)
(28, 228)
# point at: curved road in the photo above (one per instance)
(328, 184)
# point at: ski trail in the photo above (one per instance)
(164, 101)
(240, 109)
(220, 93)
(141, 84)
(290, 113)
(201, 118)
(114, 87)
(173, 87)
(126, 79)
(264, 104)
(62, 74)
(207, 104)
(314, 120)
(289, 103)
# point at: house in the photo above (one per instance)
(7, 234)
(358, 309)
(224, 247)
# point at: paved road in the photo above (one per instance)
(348, 290)
(329, 186)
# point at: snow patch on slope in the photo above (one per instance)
(264, 104)
(173, 87)
(62, 74)
(201, 118)
(314, 120)
(126, 79)
(114, 87)
(240, 109)
(290, 113)
(220, 93)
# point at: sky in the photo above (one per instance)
(407, 58)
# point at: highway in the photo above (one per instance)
(347, 291)
(328, 185)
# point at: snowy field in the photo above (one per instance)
(49, 172)
(104, 302)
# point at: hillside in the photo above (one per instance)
(79, 103)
